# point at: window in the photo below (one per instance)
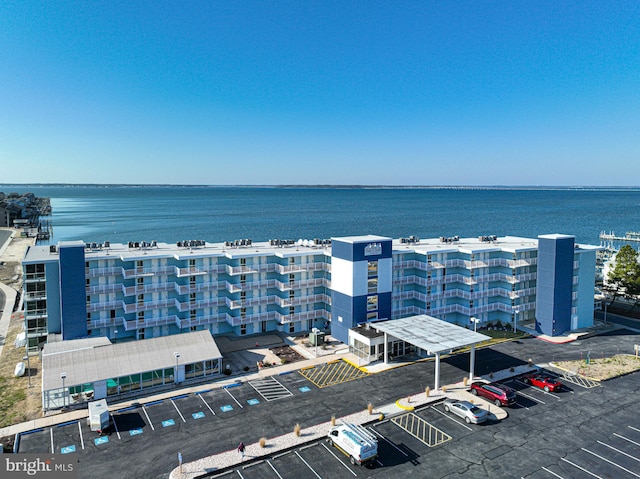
(192, 280)
(141, 316)
(141, 333)
(88, 299)
(140, 283)
(243, 329)
(243, 296)
(192, 263)
(192, 297)
(372, 316)
(291, 310)
(192, 314)
(292, 260)
(372, 285)
(243, 313)
(193, 328)
(140, 299)
(112, 314)
(471, 304)
(292, 294)
(292, 327)
(372, 303)
(292, 279)
(88, 282)
(372, 269)
(243, 261)
(428, 305)
(429, 258)
(243, 279)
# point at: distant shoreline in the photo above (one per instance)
(5, 186)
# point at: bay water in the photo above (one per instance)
(214, 213)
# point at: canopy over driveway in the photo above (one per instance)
(431, 334)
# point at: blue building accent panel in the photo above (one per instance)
(365, 250)
(554, 284)
(342, 316)
(72, 292)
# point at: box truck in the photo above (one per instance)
(98, 415)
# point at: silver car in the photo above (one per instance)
(467, 411)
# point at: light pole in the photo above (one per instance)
(64, 396)
(28, 368)
(474, 320)
(175, 379)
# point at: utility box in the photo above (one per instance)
(316, 338)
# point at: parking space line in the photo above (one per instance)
(634, 428)
(626, 439)
(116, 426)
(531, 397)
(52, 447)
(274, 469)
(81, 437)
(610, 462)
(144, 410)
(552, 473)
(175, 406)
(536, 389)
(618, 450)
(206, 404)
(337, 458)
(227, 389)
(307, 464)
(387, 440)
(581, 468)
(451, 418)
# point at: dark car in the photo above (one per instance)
(499, 394)
(543, 381)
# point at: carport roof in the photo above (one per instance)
(431, 334)
(101, 362)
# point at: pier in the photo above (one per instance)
(628, 236)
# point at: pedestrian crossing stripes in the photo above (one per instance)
(270, 389)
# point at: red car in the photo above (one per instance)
(547, 383)
(499, 394)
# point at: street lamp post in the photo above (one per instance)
(474, 320)
(177, 355)
(64, 396)
(28, 368)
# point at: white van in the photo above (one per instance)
(355, 441)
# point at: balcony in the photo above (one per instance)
(35, 295)
(200, 304)
(199, 287)
(105, 306)
(132, 325)
(35, 314)
(147, 288)
(150, 305)
(104, 272)
(152, 271)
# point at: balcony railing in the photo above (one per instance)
(149, 305)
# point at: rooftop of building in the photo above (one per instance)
(191, 249)
(88, 360)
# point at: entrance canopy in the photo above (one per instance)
(431, 334)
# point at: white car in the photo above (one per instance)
(467, 411)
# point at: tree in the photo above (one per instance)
(624, 279)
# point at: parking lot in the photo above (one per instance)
(434, 442)
(156, 420)
(586, 430)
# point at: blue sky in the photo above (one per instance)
(320, 92)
